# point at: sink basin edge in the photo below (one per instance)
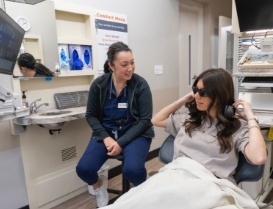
(23, 121)
(58, 118)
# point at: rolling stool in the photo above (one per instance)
(125, 183)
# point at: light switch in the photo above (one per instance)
(158, 69)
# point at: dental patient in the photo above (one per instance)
(208, 137)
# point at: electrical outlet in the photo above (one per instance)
(158, 69)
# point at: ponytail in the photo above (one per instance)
(106, 67)
(41, 69)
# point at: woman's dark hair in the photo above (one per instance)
(112, 52)
(28, 61)
(219, 87)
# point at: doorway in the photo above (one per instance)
(190, 46)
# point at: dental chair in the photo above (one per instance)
(244, 171)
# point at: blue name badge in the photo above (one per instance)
(122, 105)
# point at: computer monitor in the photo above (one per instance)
(254, 14)
(11, 37)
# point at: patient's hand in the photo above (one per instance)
(243, 108)
(189, 97)
(183, 100)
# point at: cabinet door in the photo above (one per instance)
(225, 44)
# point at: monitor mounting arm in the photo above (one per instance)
(4, 94)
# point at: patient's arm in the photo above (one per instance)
(255, 150)
(160, 119)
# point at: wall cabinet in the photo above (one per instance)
(76, 37)
(73, 28)
(33, 44)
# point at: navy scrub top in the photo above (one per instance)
(116, 118)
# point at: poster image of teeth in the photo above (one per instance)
(86, 52)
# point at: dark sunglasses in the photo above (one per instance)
(202, 92)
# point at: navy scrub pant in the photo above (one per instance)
(134, 153)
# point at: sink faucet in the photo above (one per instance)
(45, 104)
(33, 106)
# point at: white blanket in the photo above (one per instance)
(184, 184)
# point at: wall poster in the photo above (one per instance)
(110, 28)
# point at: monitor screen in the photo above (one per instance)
(11, 37)
(254, 14)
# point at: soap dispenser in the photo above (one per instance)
(57, 70)
(24, 98)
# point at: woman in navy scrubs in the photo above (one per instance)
(119, 111)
